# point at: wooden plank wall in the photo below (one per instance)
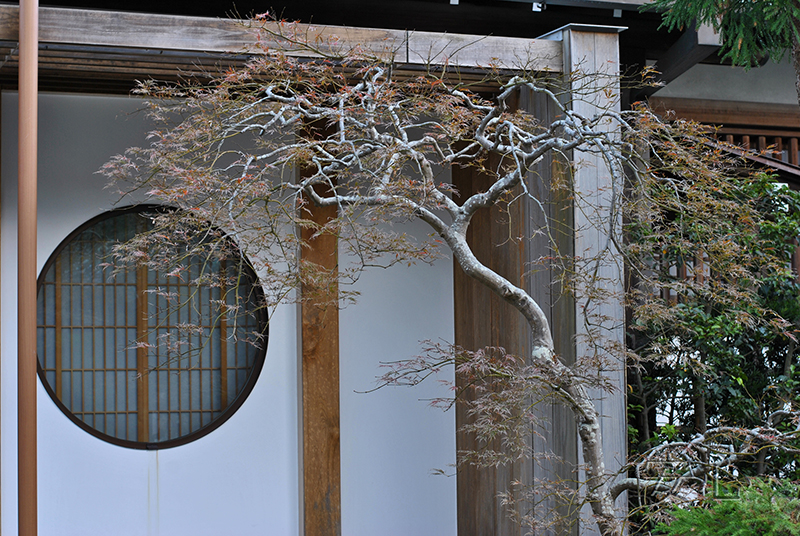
(513, 244)
(482, 319)
(322, 514)
(550, 232)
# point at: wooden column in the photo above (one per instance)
(549, 229)
(1, 361)
(589, 50)
(320, 384)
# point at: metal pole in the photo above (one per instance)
(26, 264)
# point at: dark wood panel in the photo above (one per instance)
(518, 245)
(482, 320)
(550, 234)
(320, 383)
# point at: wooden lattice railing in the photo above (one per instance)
(782, 146)
(770, 129)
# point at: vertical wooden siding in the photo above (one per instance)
(482, 319)
(590, 52)
(550, 231)
(512, 244)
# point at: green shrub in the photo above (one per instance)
(763, 508)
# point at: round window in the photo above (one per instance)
(146, 358)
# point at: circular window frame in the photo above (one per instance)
(215, 422)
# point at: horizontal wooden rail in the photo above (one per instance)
(765, 133)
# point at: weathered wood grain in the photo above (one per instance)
(518, 244)
(591, 53)
(549, 230)
(482, 51)
(484, 320)
(322, 514)
(168, 32)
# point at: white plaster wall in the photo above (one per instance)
(771, 83)
(241, 479)
(391, 440)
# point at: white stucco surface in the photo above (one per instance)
(392, 439)
(242, 478)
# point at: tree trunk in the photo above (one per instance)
(642, 415)
(699, 402)
(796, 61)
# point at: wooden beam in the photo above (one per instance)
(169, 32)
(729, 113)
(322, 514)
(482, 51)
(741, 131)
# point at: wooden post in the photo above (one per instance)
(142, 365)
(1, 378)
(512, 244)
(555, 213)
(26, 266)
(322, 514)
(592, 50)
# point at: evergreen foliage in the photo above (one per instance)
(764, 508)
(751, 30)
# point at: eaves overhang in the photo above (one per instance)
(83, 49)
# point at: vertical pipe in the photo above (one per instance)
(1, 442)
(26, 264)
